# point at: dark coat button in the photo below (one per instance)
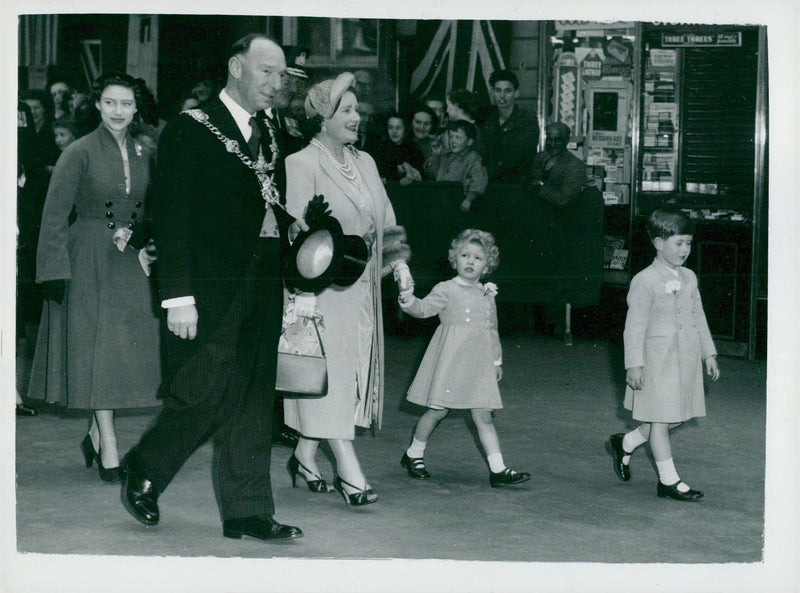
(109, 214)
(109, 204)
(134, 215)
(111, 225)
(138, 204)
(130, 225)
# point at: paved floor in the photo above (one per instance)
(574, 520)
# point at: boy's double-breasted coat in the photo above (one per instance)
(666, 332)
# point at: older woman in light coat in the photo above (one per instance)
(353, 331)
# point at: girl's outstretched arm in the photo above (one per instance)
(429, 306)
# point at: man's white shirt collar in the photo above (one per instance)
(239, 113)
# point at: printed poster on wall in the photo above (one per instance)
(566, 95)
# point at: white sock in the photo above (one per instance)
(417, 449)
(496, 464)
(669, 475)
(629, 443)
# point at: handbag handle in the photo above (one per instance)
(319, 337)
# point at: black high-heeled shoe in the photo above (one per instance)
(294, 465)
(108, 474)
(87, 448)
(357, 498)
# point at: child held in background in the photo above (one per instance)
(460, 162)
(666, 342)
(65, 132)
(463, 362)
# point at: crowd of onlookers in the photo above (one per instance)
(455, 138)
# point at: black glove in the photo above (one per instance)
(317, 210)
(142, 233)
(53, 290)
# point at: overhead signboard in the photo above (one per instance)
(593, 26)
(694, 39)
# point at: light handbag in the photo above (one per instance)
(302, 368)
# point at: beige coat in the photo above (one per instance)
(353, 325)
(666, 332)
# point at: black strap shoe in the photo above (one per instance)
(507, 477)
(622, 470)
(415, 466)
(672, 491)
(262, 527)
(139, 495)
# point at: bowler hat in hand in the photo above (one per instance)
(324, 255)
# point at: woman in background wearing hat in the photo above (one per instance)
(353, 331)
(98, 345)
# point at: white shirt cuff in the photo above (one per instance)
(177, 302)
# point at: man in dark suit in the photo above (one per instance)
(219, 230)
(559, 176)
(510, 134)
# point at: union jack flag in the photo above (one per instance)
(461, 54)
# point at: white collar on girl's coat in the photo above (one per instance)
(462, 282)
(488, 288)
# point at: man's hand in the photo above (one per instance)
(182, 321)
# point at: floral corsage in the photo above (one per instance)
(673, 286)
(490, 289)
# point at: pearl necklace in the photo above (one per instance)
(347, 169)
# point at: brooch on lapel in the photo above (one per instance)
(673, 286)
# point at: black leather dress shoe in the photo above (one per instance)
(262, 527)
(507, 477)
(23, 410)
(139, 495)
(415, 466)
(672, 491)
(622, 470)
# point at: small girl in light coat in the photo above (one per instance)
(463, 362)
